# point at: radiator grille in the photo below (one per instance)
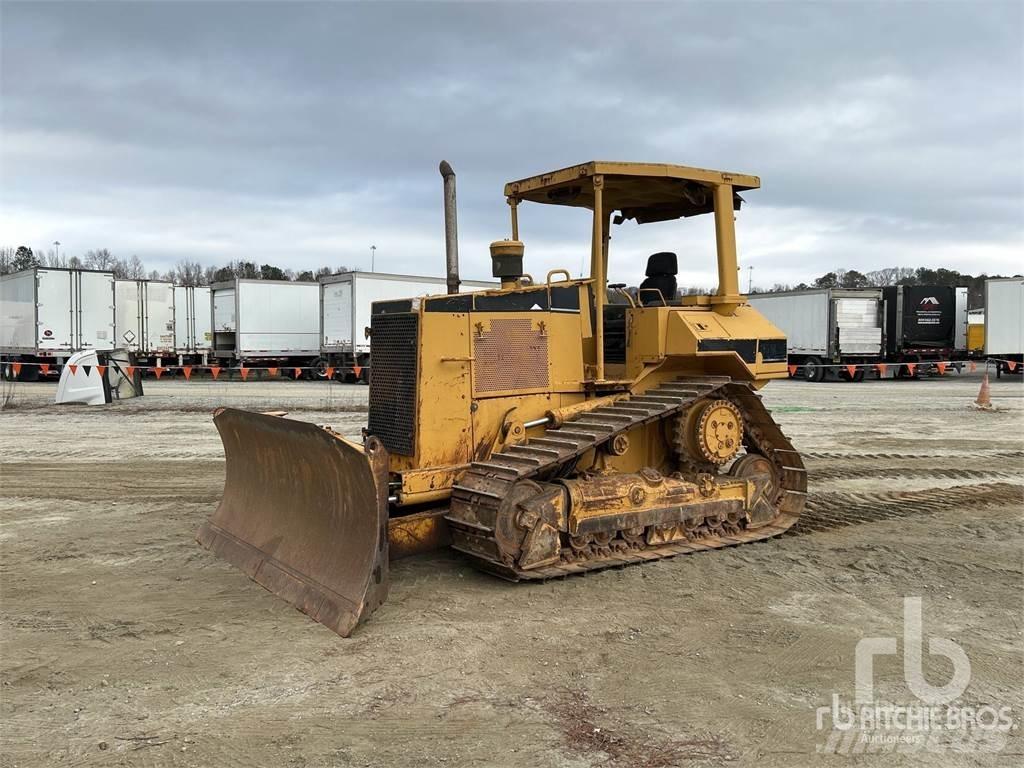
(393, 359)
(511, 355)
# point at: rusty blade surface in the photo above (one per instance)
(304, 514)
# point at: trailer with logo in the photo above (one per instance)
(1004, 324)
(848, 333)
(925, 327)
(265, 323)
(47, 314)
(345, 305)
(144, 320)
(827, 329)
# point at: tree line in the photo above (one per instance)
(851, 278)
(185, 272)
(188, 272)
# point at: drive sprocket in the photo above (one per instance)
(709, 433)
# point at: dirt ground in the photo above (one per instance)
(124, 643)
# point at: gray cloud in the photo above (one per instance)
(302, 133)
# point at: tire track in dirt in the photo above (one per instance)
(827, 510)
(895, 473)
(151, 477)
(990, 454)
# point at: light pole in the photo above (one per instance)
(56, 251)
(750, 278)
(373, 257)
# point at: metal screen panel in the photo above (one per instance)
(393, 368)
(511, 355)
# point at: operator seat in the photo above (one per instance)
(662, 268)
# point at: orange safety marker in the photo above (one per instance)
(244, 372)
(44, 368)
(101, 370)
(330, 372)
(131, 371)
(357, 370)
(73, 369)
(911, 367)
(298, 373)
(215, 370)
(984, 397)
(942, 367)
(272, 371)
(1012, 365)
(159, 371)
(882, 368)
(852, 370)
(17, 368)
(792, 370)
(187, 370)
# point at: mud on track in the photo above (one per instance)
(118, 630)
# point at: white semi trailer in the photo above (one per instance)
(266, 322)
(827, 328)
(345, 304)
(1004, 324)
(48, 314)
(193, 323)
(144, 319)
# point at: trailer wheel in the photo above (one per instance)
(320, 368)
(813, 369)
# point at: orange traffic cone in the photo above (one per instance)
(984, 399)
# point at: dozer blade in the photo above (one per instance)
(304, 514)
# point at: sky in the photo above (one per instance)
(300, 134)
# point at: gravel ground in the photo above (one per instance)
(124, 643)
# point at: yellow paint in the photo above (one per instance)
(976, 337)
(468, 406)
(629, 494)
(416, 534)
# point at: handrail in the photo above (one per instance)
(568, 277)
(656, 290)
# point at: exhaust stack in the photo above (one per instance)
(451, 228)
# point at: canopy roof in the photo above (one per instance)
(643, 191)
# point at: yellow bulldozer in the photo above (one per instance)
(542, 429)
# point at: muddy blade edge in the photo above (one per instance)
(304, 514)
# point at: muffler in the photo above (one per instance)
(451, 228)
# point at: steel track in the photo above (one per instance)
(479, 493)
